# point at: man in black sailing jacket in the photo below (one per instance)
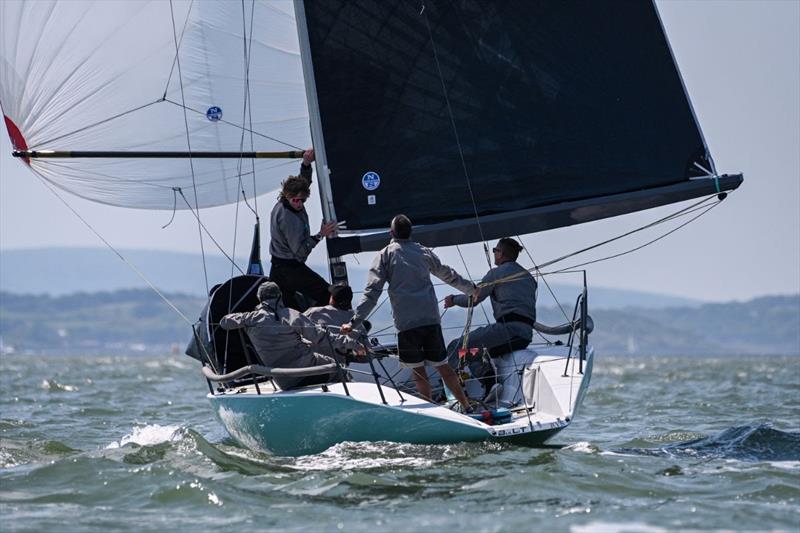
(291, 241)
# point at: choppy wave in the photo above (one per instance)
(753, 443)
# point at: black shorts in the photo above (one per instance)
(421, 345)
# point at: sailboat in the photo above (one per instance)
(477, 119)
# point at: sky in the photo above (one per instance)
(740, 61)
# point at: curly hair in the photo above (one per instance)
(294, 186)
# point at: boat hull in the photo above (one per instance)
(310, 420)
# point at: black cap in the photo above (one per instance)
(342, 294)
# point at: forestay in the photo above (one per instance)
(154, 76)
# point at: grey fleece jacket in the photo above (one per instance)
(333, 317)
(290, 233)
(407, 266)
(278, 338)
(515, 295)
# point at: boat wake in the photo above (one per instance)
(752, 443)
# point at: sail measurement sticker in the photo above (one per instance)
(371, 181)
(214, 113)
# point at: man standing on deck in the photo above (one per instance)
(407, 267)
(512, 290)
(291, 241)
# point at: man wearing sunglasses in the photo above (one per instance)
(512, 290)
(291, 241)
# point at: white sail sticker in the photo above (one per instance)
(371, 181)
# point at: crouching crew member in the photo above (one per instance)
(338, 311)
(279, 335)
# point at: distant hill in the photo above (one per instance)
(63, 271)
(138, 321)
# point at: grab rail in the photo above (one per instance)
(261, 370)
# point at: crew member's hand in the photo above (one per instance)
(448, 301)
(327, 229)
(347, 328)
(308, 156)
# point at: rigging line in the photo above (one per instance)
(108, 244)
(174, 207)
(549, 289)
(469, 275)
(79, 130)
(681, 212)
(673, 230)
(250, 107)
(229, 123)
(641, 228)
(210, 236)
(183, 32)
(245, 110)
(455, 132)
(189, 144)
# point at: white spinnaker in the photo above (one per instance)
(100, 75)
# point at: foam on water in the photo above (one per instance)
(148, 436)
(616, 527)
(582, 447)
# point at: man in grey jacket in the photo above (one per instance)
(338, 311)
(512, 290)
(407, 267)
(291, 241)
(278, 334)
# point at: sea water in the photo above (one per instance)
(667, 443)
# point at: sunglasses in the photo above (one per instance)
(301, 200)
(496, 250)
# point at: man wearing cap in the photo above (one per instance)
(338, 311)
(278, 334)
(407, 267)
(512, 290)
(291, 241)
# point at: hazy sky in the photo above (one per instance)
(740, 61)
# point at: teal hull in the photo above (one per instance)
(302, 424)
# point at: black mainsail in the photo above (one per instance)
(480, 119)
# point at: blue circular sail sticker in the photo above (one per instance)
(371, 181)
(214, 113)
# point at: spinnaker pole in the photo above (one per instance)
(124, 154)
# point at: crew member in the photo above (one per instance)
(338, 311)
(279, 335)
(291, 241)
(512, 290)
(407, 267)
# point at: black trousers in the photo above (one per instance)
(294, 276)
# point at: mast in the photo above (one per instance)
(337, 266)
